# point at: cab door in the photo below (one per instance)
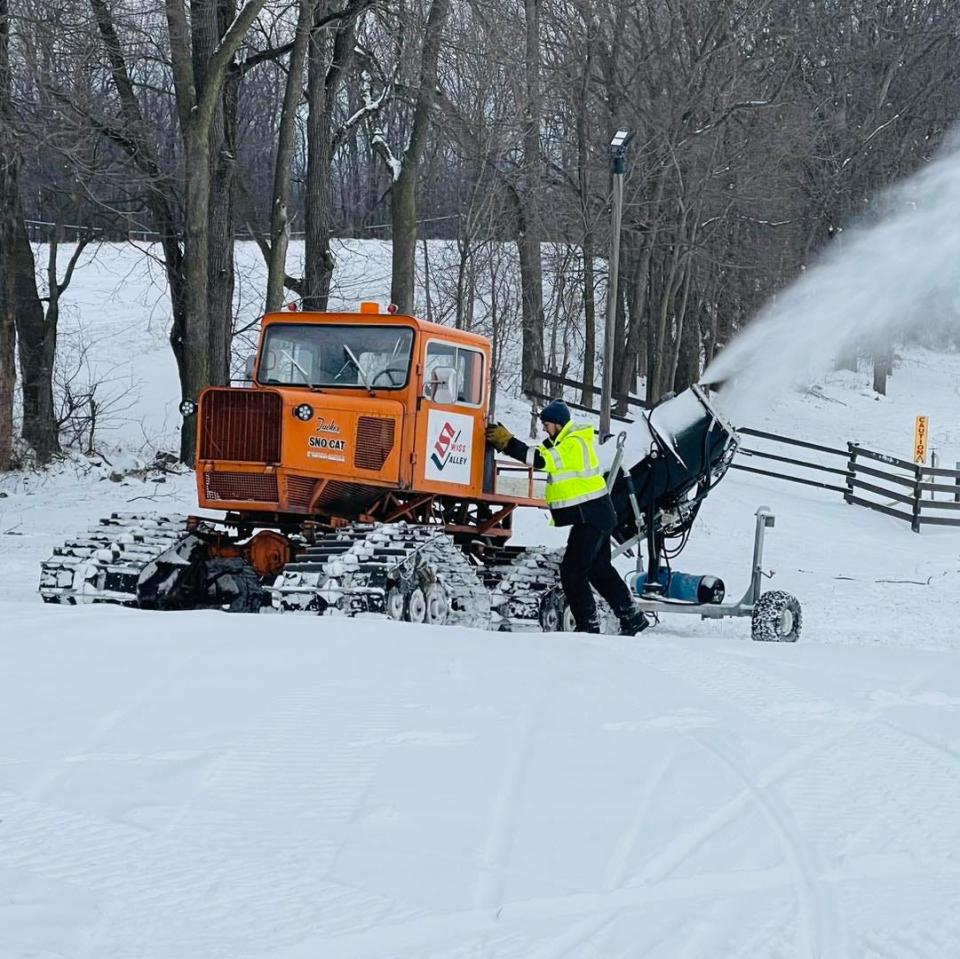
(450, 427)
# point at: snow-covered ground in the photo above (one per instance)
(199, 785)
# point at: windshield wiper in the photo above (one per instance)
(303, 372)
(360, 373)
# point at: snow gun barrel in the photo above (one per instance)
(687, 446)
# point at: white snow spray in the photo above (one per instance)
(879, 282)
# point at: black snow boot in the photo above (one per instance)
(592, 625)
(633, 621)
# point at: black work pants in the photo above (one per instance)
(586, 563)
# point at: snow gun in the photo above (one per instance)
(689, 446)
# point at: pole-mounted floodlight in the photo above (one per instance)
(618, 160)
(618, 150)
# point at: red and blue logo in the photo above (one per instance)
(448, 447)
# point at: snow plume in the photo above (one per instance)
(879, 281)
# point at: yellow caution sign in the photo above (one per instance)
(921, 434)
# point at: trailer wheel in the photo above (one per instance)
(777, 618)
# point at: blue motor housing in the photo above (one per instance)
(685, 587)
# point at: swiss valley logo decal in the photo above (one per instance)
(449, 448)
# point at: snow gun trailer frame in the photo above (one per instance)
(776, 615)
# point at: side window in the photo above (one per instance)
(468, 364)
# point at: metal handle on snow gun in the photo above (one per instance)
(617, 460)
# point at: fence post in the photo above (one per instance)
(917, 479)
(934, 463)
(851, 472)
(956, 496)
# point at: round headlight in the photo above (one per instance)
(187, 408)
(303, 412)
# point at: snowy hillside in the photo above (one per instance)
(201, 785)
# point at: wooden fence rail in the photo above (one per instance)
(622, 400)
(920, 495)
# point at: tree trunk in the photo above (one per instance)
(583, 184)
(323, 86)
(403, 219)
(286, 143)
(210, 20)
(319, 264)
(687, 361)
(528, 241)
(403, 196)
(37, 348)
(221, 274)
(199, 77)
(198, 359)
(882, 368)
(589, 321)
(9, 210)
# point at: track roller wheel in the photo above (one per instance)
(437, 604)
(777, 618)
(551, 618)
(393, 603)
(416, 606)
(555, 615)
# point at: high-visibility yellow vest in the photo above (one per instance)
(573, 467)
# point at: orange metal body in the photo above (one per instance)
(385, 454)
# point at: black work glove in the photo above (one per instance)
(498, 436)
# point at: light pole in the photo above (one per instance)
(618, 157)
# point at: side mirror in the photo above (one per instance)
(442, 385)
(248, 365)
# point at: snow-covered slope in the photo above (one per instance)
(201, 785)
(197, 785)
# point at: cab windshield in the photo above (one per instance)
(331, 356)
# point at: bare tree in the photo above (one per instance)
(286, 142)
(203, 349)
(529, 229)
(405, 167)
(10, 221)
(332, 53)
(37, 344)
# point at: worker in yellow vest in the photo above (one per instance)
(577, 496)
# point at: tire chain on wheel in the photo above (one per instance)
(765, 625)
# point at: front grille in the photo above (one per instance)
(339, 497)
(300, 491)
(244, 487)
(374, 442)
(240, 425)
